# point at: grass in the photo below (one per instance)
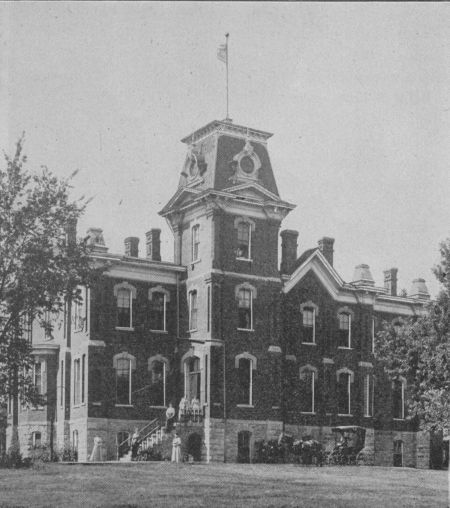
(154, 484)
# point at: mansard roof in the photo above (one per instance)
(341, 291)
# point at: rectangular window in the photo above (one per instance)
(123, 381)
(309, 325)
(208, 309)
(245, 380)
(245, 308)
(344, 394)
(76, 382)
(83, 376)
(307, 402)
(398, 399)
(61, 384)
(158, 384)
(345, 327)
(193, 310)
(195, 242)
(37, 378)
(124, 308)
(158, 312)
(368, 395)
(244, 237)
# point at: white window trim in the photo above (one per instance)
(403, 382)
(313, 370)
(349, 338)
(253, 366)
(151, 292)
(367, 396)
(191, 329)
(373, 335)
(165, 362)
(253, 294)
(306, 306)
(132, 364)
(350, 380)
(125, 285)
(251, 228)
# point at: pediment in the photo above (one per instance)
(325, 273)
(252, 191)
(180, 198)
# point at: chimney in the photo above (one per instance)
(390, 281)
(154, 244)
(326, 247)
(419, 290)
(362, 276)
(132, 247)
(288, 250)
(96, 240)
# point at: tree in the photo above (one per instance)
(419, 351)
(41, 263)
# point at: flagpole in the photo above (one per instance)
(226, 46)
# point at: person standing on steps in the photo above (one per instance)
(135, 442)
(176, 448)
(170, 415)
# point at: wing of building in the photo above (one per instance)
(242, 347)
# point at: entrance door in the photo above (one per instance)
(244, 446)
(398, 453)
(194, 446)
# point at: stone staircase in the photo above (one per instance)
(150, 435)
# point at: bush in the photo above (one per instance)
(65, 454)
(13, 458)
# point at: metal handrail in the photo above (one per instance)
(155, 420)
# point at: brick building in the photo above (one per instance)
(262, 347)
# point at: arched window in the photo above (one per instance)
(309, 312)
(345, 318)
(398, 398)
(368, 395)
(192, 378)
(244, 228)
(159, 298)
(38, 378)
(124, 293)
(158, 367)
(245, 363)
(344, 391)
(308, 380)
(245, 294)
(124, 365)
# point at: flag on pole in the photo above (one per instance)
(222, 53)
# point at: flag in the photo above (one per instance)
(222, 53)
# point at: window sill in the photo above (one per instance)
(123, 405)
(245, 405)
(195, 261)
(96, 403)
(345, 414)
(367, 416)
(193, 330)
(399, 419)
(275, 407)
(125, 328)
(246, 330)
(312, 413)
(159, 331)
(250, 260)
(158, 407)
(345, 347)
(309, 343)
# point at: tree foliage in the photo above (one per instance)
(419, 351)
(40, 268)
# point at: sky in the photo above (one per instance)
(356, 94)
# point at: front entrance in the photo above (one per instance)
(194, 446)
(398, 453)
(244, 447)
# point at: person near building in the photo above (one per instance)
(170, 416)
(176, 448)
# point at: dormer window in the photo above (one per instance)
(195, 242)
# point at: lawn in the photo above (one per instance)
(156, 484)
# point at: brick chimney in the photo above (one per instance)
(326, 247)
(390, 281)
(154, 244)
(132, 247)
(96, 240)
(419, 290)
(288, 250)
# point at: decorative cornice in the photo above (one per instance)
(227, 127)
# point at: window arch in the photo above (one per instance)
(245, 363)
(158, 366)
(309, 312)
(345, 378)
(124, 364)
(125, 293)
(308, 379)
(192, 376)
(36, 439)
(244, 228)
(245, 294)
(159, 298)
(345, 318)
(398, 398)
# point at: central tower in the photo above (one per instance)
(225, 217)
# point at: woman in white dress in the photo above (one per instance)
(176, 448)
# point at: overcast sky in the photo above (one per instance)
(356, 94)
